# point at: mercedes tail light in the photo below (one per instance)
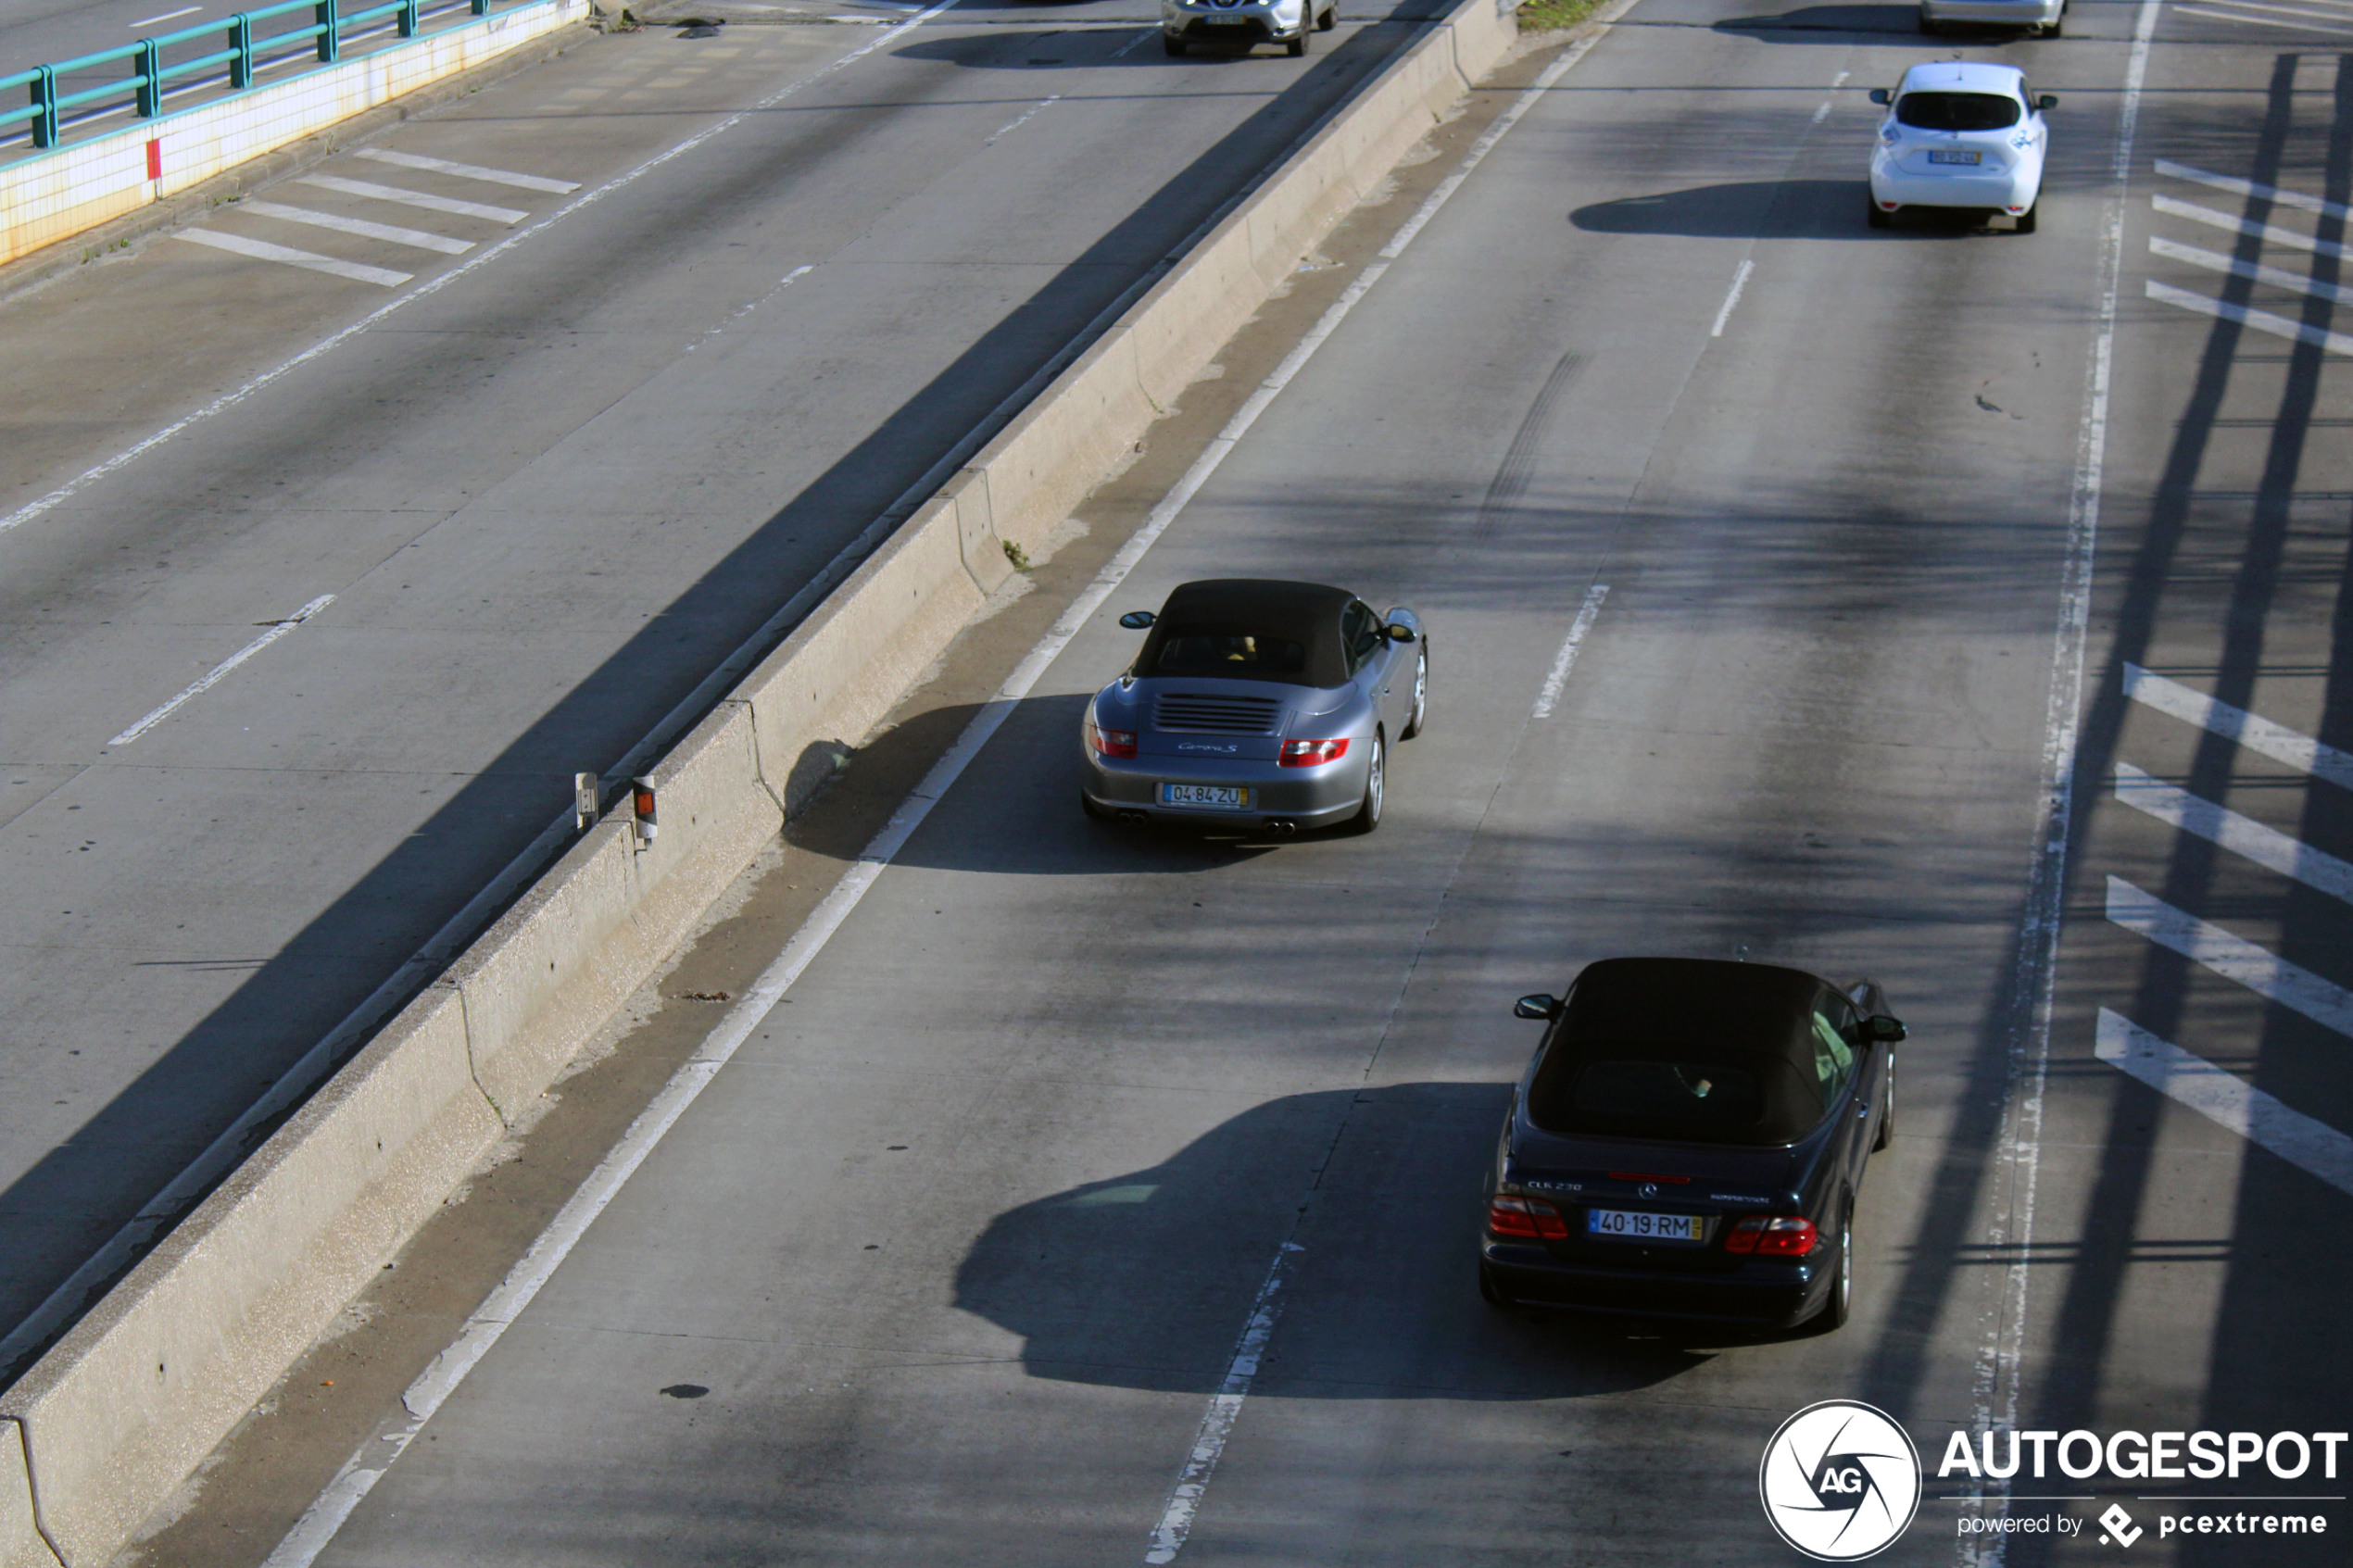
(1311, 753)
(1782, 1236)
(1110, 742)
(1529, 1217)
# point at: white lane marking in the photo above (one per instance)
(2270, 233)
(262, 250)
(2230, 956)
(1840, 79)
(389, 233)
(2312, 1146)
(471, 171)
(2214, 261)
(2242, 835)
(2330, 13)
(414, 198)
(1740, 282)
(222, 668)
(2238, 187)
(2260, 321)
(42, 505)
(2255, 733)
(1142, 37)
(168, 16)
(1821, 112)
(2016, 1168)
(1024, 119)
(327, 1513)
(1224, 1406)
(1567, 657)
(2260, 21)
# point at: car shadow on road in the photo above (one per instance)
(1145, 1280)
(1769, 210)
(1824, 24)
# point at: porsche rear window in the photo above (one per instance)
(1229, 652)
(1701, 1102)
(1957, 111)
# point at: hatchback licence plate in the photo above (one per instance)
(1625, 1224)
(1226, 22)
(1953, 157)
(1231, 796)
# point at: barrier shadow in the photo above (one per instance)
(1143, 1281)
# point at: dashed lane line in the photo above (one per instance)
(214, 676)
(2255, 733)
(2224, 1098)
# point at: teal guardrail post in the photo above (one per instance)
(410, 18)
(150, 78)
(330, 33)
(482, 8)
(45, 98)
(241, 40)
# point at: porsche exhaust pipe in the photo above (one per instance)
(1133, 819)
(1282, 827)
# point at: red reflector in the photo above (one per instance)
(1785, 1235)
(154, 161)
(1110, 742)
(1530, 1217)
(1311, 753)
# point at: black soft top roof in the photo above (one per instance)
(1305, 614)
(1758, 1017)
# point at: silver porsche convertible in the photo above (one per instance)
(1257, 704)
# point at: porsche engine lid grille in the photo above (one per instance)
(1217, 715)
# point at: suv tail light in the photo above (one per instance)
(1110, 742)
(1311, 753)
(1785, 1235)
(1530, 1217)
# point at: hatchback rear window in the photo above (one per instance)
(1702, 1102)
(1958, 111)
(1225, 653)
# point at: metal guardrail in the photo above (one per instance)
(60, 107)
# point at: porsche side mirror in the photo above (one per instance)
(1400, 632)
(1137, 620)
(2047, 101)
(1880, 95)
(1539, 1006)
(1883, 1031)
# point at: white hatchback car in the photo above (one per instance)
(2045, 17)
(1960, 134)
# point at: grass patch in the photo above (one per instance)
(1547, 16)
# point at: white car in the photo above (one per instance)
(1244, 22)
(1960, 134)
(2045, 17)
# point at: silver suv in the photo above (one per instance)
(1287, 22)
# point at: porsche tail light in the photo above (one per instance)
(1529, 1217)
(1110, 742)
(1782, 1236)
(1311, 753)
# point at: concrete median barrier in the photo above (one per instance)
(117, 1414)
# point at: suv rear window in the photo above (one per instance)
(1223, 653)
(1702, 1102)
(1957, 111)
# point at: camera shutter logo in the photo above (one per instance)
(1839, 1480)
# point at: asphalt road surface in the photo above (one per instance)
(613, 356)
(951, 1259)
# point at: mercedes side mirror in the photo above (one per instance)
(2047, 101)
(1880, 95)
(1882, 1030)
(1399, 632)
(1539, 1006)
(1137, 620)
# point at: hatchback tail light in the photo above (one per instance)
(1784, 1236)
(1311, 753)
(1110, 742)
(1530, 1217)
